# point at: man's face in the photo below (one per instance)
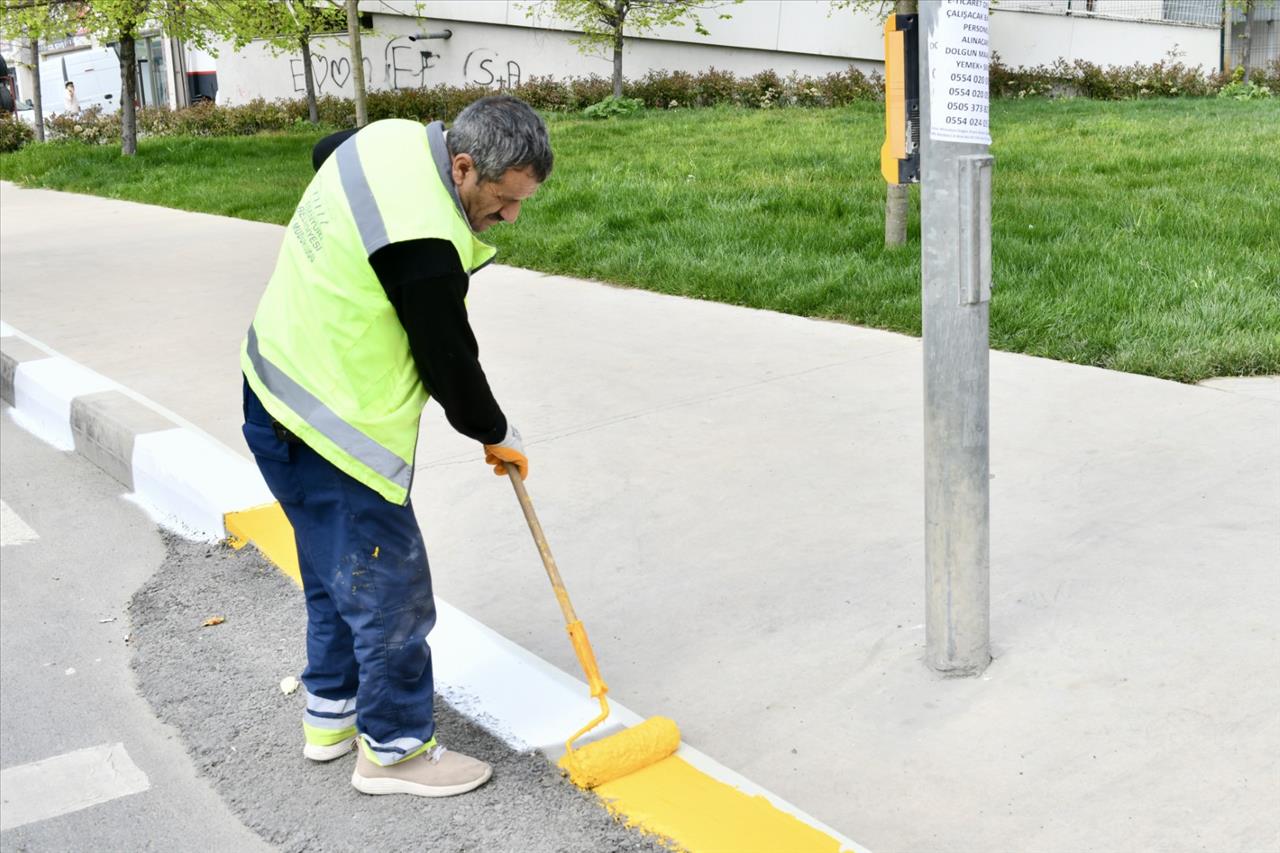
(489, 202)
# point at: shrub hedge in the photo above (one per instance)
(656, 90)
(14, 133)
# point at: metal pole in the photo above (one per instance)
(955, 206)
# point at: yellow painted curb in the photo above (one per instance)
(686, 807)
(268, 529)
(702, 814)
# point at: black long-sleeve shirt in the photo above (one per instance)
(426, 284)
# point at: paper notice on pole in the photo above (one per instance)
(959, 64)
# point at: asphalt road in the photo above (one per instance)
(73, 728)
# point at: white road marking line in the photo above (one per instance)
(67, 783)
(13, 530)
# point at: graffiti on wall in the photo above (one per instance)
(405, 63)
(329, 73)
(484, 67)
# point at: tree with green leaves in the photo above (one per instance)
(605, 23)
(284, 26)
(119, 23)
(29, 23)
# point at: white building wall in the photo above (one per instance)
(1032, 38)
(498, 42)
(484, 49)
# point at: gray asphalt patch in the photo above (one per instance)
(219, 687)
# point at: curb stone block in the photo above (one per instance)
(105, 424)
(14, 351)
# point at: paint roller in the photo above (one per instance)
(618, 754)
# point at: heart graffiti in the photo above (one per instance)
(340, 71)
(320, 69)
(337, 73)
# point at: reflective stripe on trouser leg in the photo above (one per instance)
(400, 749)
(328, 721)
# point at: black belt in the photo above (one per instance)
(283, 433)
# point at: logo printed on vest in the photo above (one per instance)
(309, 222)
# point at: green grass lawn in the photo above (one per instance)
(1137, 236)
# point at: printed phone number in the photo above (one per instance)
(968, 121)
(962, 107)
(975, 79)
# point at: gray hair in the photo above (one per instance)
(500, 133)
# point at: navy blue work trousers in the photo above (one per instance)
(368, 591)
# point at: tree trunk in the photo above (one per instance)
(308, 74)
(617, 62)
(37, 96)
(896, 202)
(1248, 34)
(897, 196)
(357, 62)
(619, 20)
(128, 105)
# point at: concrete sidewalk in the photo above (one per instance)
(734, 498)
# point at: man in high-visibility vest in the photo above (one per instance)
(363, 319)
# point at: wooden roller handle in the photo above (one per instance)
(548, 561)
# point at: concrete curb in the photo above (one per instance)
(185, 479)
(192, 484)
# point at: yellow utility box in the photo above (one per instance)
(900, 154)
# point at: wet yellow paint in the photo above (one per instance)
(268, 529)
(701, 814)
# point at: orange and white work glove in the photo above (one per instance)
(510, 449)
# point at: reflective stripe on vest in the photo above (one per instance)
(373, 231)
(327, 353)
(326, 422)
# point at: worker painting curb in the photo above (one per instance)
(689, 797)
(194, 485)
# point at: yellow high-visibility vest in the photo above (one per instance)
(326, 353)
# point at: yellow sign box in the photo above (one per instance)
(900, 154)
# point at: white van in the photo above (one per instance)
(96, 73)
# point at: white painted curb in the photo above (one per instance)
(184, 478)
(43, 391)
(190, 481)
